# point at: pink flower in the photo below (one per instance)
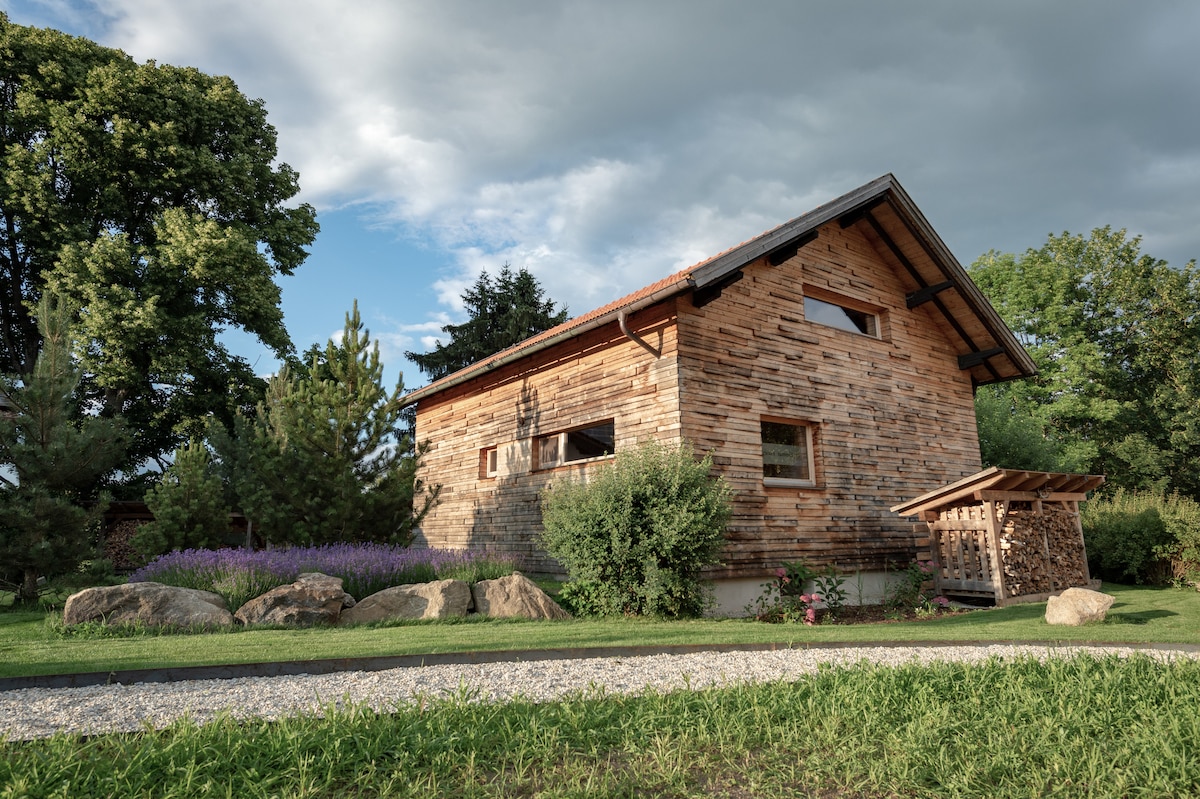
(941, 601)
(805, 598)
(810, 616)
(815, 598)
(780, 572)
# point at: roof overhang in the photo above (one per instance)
(1003, 484)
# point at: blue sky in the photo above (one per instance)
(603, 144)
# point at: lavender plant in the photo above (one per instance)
(239, 575)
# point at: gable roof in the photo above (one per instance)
(888, 217)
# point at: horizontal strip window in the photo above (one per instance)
(576, 446)
(839, 316)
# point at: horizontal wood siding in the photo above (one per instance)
(893, 417)
(597, 376)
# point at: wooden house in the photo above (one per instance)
(829, 365)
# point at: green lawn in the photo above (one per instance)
(29, 645)
(1078, 726)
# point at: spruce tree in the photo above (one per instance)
(501, 314)
(53, 460)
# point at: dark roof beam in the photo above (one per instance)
(705, 294)
(922, 296)
(908, 265)
(973, 359)
(788, 251)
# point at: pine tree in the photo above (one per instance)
(188, 505)
(325, 458)
(501, 314)
(54, 460)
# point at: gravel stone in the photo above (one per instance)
(41, 712)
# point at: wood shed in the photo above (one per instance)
(1008, 535)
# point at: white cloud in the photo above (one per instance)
(601, 145)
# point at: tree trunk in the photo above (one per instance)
(29, 588)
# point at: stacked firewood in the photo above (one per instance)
(1042, 551)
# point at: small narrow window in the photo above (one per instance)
(573, 446)
(489, 461)
(787, 454)
(841, 317)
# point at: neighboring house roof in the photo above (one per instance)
(989, 349)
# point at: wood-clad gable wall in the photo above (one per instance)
(891, 417)
(597, 376)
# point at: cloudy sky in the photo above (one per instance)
(603, 144)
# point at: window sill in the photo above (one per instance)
(581, 462)
(787, 482)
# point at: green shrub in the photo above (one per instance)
(1141, 536)
(636, 534)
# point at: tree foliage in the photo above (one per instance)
(1115, 335)
(149, 195)
(189, 506)
(324, 458)
(636, 535)
(50, 461)
(501, 313)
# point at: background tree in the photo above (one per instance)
(52, 460)
(325, 459)
(501, 314)
(1115, 335)
(148, 194)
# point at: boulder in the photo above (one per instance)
(437, 600)
(1077, 606)
(153, 604)
(515, 596)
(313, 599)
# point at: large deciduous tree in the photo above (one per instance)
(1116, 337)
(325, 459)
(150, 196)
(501, 314)
(50, 461)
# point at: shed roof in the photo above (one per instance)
(889, 218)
(998, 481)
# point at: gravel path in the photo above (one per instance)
(40, 712)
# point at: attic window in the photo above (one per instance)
(841, 317)
(575, 446)
(787, 452)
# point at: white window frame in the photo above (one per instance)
(810, 465)
(490, 461)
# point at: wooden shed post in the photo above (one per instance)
(993, 534)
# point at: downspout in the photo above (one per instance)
(634, 337)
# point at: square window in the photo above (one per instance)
(787, 453)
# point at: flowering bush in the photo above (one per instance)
(784, 599)
(239, 575)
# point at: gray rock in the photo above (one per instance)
(312, 600)
(1077, 606)
(437, 600)
(515, 596)
(153, 604)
